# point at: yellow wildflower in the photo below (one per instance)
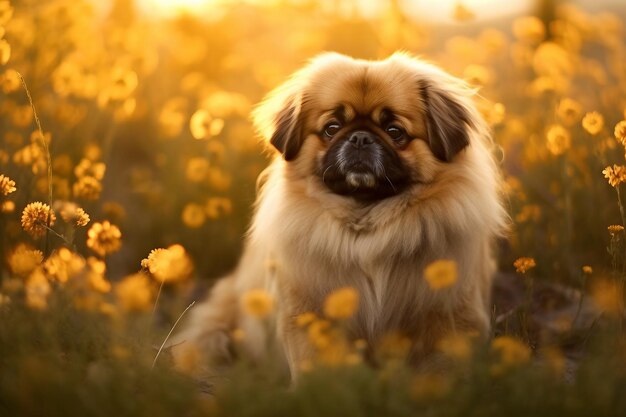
(93, 152)
(169, 265)
(135, 293)
(122, 83)
(257, 303)
(319, 333)
(7, 207)
(304, 319)
(523, 264)
(569, 111)
(37, 290)
(441, 274)
(7, 185)
(457, 346)
(9, 81)
(511, 351)
(95, 275)
(24, 259)
(587, 270)
(88, 188)
(203, 125)
(615, 174)
(35, 218)
(614, 229)
(341, 303)
(620, 132)
(88, 168)
(559, 139)
(593, 122)
(104, 238)
(145, 263)
(5, 51)
(197, 169)
(64, 265)
(477, 74)
(553, 61)
(529, 29)
(71, 213)
(607, 295)
(193, 215)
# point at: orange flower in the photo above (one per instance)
(620, 132)
(168, 265)
(7, 185)
(257, 303)
(104, 238)
(593, 122)
(522, 265)
(135, 293)
(341, 303)
(441, 274)
(615, 174)
(35, 218)
(559, 139)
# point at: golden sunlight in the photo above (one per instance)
(447, 10)
(168, 8)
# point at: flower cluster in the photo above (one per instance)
(441, 274)
(524, 264)
(36, 218)
(7, 185)
(104, 238)
(168, 265)
(615, 174)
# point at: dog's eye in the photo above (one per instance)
(394, 132)
(331, 129)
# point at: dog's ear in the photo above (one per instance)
(278, 120)
(287, 135)
(448, 122)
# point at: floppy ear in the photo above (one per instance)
(287, 135)
(278, 119)
(448, 121)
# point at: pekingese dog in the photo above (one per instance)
(384, 167)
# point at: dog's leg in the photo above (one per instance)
(297, 348)
(208, 331)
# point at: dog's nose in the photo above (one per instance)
(361, 138)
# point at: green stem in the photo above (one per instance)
(48, 162)
(170, 333)
(623, 214)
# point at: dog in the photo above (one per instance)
(383, 167)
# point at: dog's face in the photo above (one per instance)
(367, 129)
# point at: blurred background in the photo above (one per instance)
(146, 106)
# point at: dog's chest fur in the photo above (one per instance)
(390, 284)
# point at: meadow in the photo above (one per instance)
(127, 175)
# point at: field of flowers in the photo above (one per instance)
(127, 174)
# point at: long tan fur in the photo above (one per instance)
(318, 241)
